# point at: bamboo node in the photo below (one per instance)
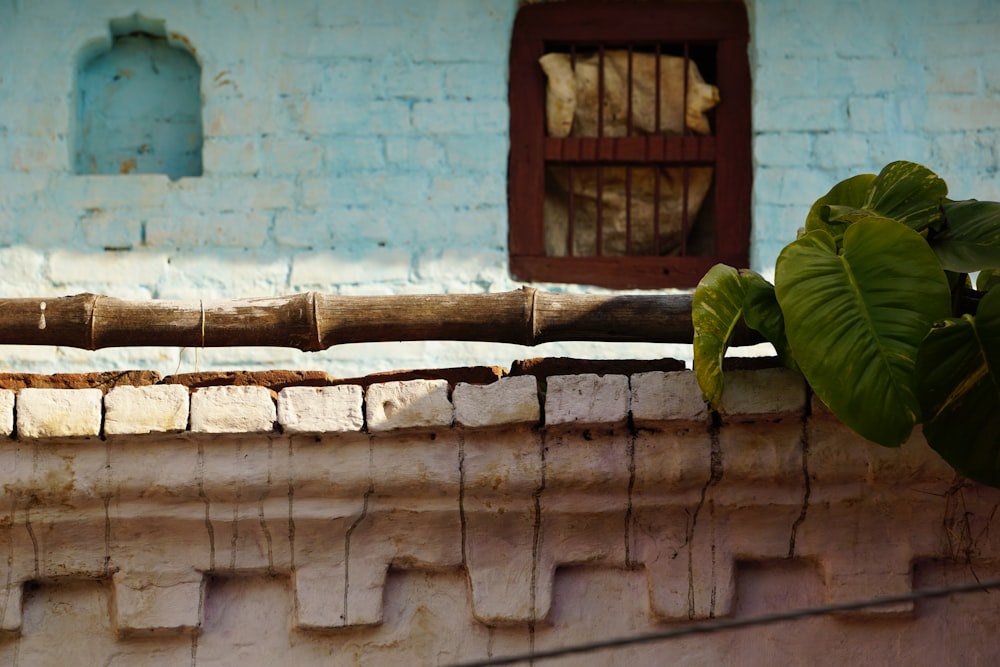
(93, 322)
(532, 314)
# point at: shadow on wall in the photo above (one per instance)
(138, 104)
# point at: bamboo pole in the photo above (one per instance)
(313, 321)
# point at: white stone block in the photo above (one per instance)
(6, 412)
(58, 413)
(157, 603)
(151, 409)
(662, 396)
(232, 409)
(408, 404)
(320, 409)
(509, 400)
(586, 399)
(761, 392)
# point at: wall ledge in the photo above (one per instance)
(504, 482)
(611, 400)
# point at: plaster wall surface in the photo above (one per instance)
(431, 544)
(361, 148)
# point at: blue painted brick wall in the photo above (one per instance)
(361, 148)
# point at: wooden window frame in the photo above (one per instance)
(723, 24)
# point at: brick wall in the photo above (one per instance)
(843, 88)
(361, 148)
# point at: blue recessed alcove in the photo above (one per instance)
(138, 103)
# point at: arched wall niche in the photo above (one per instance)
(138, 102)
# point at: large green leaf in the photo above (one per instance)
(716, 310)
(763, 314)
(970, 241)
(849, 194)
(958, 370)
(907, 192)
(855, 317)
(903, 191)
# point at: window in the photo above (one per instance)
(630, 142)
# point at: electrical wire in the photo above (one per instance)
(720, 625)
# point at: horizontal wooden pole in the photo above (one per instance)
(313, 321)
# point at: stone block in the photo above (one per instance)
(442, 117)
(320, 409)
(229, 229)
(766, 391)
(503, 575)
(841, 150)
(510, 400)
(658, 396)
(232, 409)
(586, 399)
(475, 80)
(329, 268)
(117, 268)
(418, 151)
(343, 117)
(58, 413)
(352, 154)
(867, 114)
(792, 186)
(226, 156)
(408, 404)
(778, 114)
(150, 409)
(783, 149)
(12, 616)
(485, 153)
(414, 81)
(952, 113)
(111, 229)
(6, 412)
(460, 191)
(160, 603)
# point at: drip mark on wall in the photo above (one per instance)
(628, 509)
(715, 475)
(208, 515)
(234, 541)
(291, 499)
(31, 534)
(350, 531)
(807, 489)
(536, 546)
(461, 497)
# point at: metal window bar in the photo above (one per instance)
(570, 219)
(628, 168)
(599, 204)
(656, 171)
(685, 223)
(598, 150)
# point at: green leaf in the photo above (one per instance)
(907, 192)
(987, 279)
(850, 194)
(957, 382)
(763, 314)
(855, 318)
(970, 241)
(716, 310)
(903, 191)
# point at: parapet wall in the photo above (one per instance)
(425, 522)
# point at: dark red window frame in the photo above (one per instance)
(722, 24)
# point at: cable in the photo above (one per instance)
(734, 623)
